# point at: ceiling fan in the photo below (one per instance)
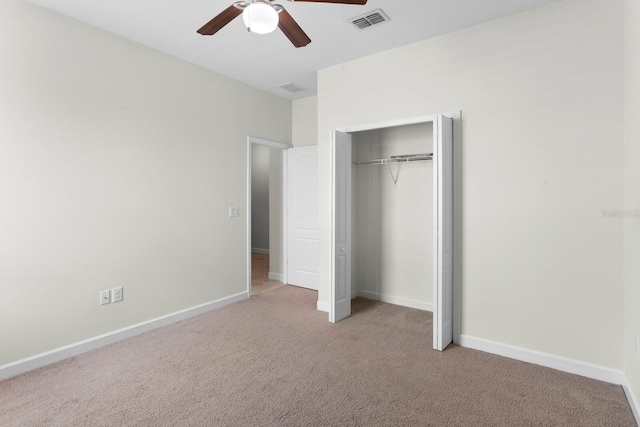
(263, 16)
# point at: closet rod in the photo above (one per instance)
(398, 159)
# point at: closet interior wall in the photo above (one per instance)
(392, 232)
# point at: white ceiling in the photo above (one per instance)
(270, 60)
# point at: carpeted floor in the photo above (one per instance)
(276, 361)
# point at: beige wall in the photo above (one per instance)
(632, 196)
(117, 166)
(305, 122)
(541, 96)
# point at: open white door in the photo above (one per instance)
(302, 217)
(341, 227)
(443, 224)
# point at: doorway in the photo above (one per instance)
(445, 313)
(266, 214)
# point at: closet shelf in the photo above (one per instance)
(398, 159)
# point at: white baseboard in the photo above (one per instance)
(28, 364)
(405, 302)
(564, 364)
(323, 306)
(260, 251)
(633, 401)
(276, 276)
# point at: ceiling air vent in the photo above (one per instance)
(370, 19)
(291, 87)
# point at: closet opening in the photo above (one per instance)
(266, 215)
(393, 218)
(392, 215)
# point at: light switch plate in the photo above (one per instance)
(234, 211)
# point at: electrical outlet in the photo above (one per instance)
(116, 294)
(105, 297)
(234, 211)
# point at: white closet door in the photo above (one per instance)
(341, 227)
(302, 199)
(443, 232)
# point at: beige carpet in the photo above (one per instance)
(275, 361)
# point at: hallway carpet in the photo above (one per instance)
(275, 361)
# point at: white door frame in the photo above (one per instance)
(456, 200)
(272, 144)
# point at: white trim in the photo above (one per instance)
(30, 363)
(329, 308)
(456, 115)
(248, 215)
(633, 401)
(405, 302)
(323, 306)
(276, 276)
(285, 217)
(269, 143)
(437, 243)
(457, 224)
(260, 251)
(389, 123)
(560, 363)
(563, 364)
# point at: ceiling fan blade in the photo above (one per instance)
(216, 24)
(336, 1)
(292, 30)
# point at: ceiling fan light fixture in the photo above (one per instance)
(260, 18)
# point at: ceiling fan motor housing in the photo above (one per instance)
(260, 17)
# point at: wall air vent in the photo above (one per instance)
(291, 87)
(370, 19)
